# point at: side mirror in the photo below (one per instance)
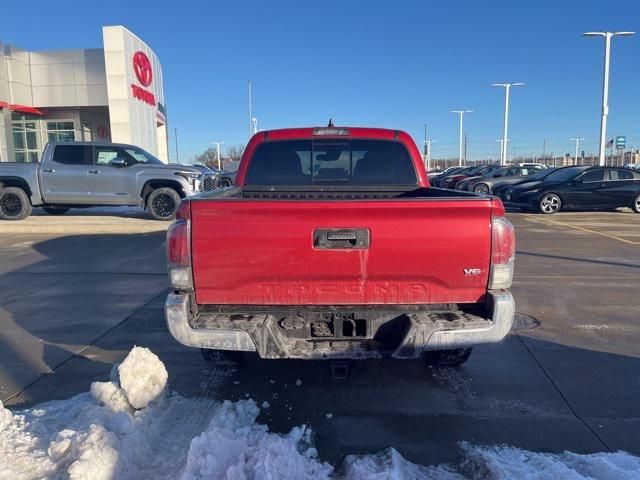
(576, 181)
(118, 162)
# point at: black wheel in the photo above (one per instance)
(55, 210)
(447, 358)
(14, 204)
(635, 206)
(225, 182)
(481, 188)
(222, 357)
(550, 203)
(163, 203)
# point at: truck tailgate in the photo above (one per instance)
(252, 252)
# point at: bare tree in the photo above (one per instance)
(229, 158)
(209, 157)
(234, 153)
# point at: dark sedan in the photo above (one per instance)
(437, 181)
(450, 180)
(500, 188)
(432, 174)
(580, 188)
(485, 172)
(485, 184)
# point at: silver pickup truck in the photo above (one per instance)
(82, 174)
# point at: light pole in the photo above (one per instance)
(217, 144)
(605, 85)
(177, 157)
(500, 140)
(426, 153)
(507, 89)
(461, 113)
(250, 115)
(577, 140)
(427, 144)
(254, 121)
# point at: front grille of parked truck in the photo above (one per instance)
(208, 182)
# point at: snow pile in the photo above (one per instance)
(143, 377)
(85, 454)
(508, 462)
(235, 446)
(390, 465)
(131, 428)
(5, 417)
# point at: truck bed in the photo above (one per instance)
(328, 245)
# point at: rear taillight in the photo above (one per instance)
(184, 210)
(503, 252)
(179, 250)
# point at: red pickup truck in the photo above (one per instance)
(332, 245)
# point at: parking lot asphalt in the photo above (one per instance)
(73, 303)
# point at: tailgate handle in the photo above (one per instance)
(341, 238)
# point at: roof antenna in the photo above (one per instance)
(330, 123)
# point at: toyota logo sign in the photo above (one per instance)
(142, 67)
(102, 131)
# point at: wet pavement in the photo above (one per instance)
(74, 303)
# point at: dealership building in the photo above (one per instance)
(113, 93)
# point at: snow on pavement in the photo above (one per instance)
(131, 427)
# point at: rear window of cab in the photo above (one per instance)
(331, 162)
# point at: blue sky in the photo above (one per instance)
(391, 64)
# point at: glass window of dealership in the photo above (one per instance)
(111, 94)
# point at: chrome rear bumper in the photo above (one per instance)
(261, 333)
(178, 314)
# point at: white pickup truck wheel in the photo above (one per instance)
(14, 204)
(163, 203)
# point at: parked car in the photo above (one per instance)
(485, 184)
(452, 180)
(437, 181)
(323, 224)
(580, 188)
(200, 166)
(500, 187)
(526, 164)
(443, 181)
(463, 183)
(83, 174)
(436, 173)
(219, 180)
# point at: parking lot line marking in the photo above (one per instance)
(595, 232)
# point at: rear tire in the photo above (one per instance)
(482, 188)
(163, 203)
(55, 210)
(225, 182)
(229, 358)
(635, 206)
(447, 358)
(549, 204)
(14, 204)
